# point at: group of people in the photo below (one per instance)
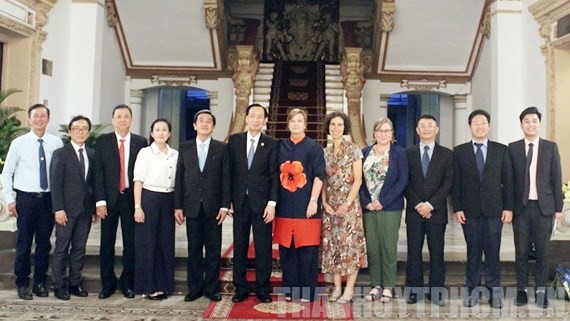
(342, 203)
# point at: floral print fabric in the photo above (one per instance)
(343, 244)
(375, 168)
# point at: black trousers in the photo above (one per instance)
(300, 270)
(35, 221)
(530, 226)
(244, 219)
(203, 272)
(483, 236)
(74, 234)
(154, 239)
(124, 209)
(416, 233)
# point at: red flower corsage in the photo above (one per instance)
(292, 176)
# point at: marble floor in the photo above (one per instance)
(455, 248)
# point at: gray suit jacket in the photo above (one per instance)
(548, 176)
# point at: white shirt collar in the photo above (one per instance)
(77, 147)
(256, 137)
(126, 138)
(155, 150)
(207, 141)
(535, 141)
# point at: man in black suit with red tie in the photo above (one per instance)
(538, 202)
(115, 155)
(482, 202)
(71, 176)
(202, 198)
(431, 177)
(255, 188)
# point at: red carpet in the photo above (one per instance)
(278, 310)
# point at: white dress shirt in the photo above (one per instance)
(22, 166)
(155, 169)
(77, 147)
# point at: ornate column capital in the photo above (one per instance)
(243, 61)
(211, 9)
(387, 16)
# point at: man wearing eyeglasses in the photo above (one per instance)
(73, 199)
(482, 203)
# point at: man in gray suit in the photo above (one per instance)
(538, 202)
(74, 207)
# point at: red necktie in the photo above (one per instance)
(122, 185)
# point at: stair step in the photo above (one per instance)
(268, 77)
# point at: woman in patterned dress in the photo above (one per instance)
(343, 244)
(385, 172)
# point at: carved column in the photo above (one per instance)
(244, 64)
(352, 71)
(135, 102)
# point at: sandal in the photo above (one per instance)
(335, 295)
(373, 294)
(345, 299)
(386, 296)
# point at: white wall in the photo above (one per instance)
(371, 109)
(54, 89)
(481, 81)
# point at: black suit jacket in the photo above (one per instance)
(70, 191)
(548, 176)
(434, 188)
(107, 166)
(489, 195)
(211, 188)
(262, 180)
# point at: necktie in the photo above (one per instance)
(425, 160)
(479, 159)
(202, 157)
(82, 162)
(43, 166)
(527, 174)
(250, 153)
(122, 185)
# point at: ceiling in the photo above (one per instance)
(429, 38)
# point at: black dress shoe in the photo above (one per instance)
(216, 297)
(496, 303)
(78, 290)
(24, 293)
(156, 297)
(128, 293)
(522, 298)
(106, 292)
(239, 297)
(163, 296)
(437, 299)
(470, 301)
(264, 298)
(61, 293)
(190, 297)
(541, 299)
(40, 290)
(412, 299)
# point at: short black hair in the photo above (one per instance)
(159, 120)
(426, 116)
(257, 105)
(204, 111)
(528, 111)
(36, 106)
(121, 106)
(77, 118)
(333, 115)
(477, 112)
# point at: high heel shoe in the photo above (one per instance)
(335, 295)
(373, 294)
(345, 298)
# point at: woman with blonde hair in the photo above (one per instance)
(385, 172)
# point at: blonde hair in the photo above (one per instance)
(296, 111)
(379, 123)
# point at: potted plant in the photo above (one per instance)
(96, 131)
(10, 125)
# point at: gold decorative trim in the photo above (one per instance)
(423, 84)
(174, 80)
(387, 17)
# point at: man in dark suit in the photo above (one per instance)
(255, 188)
(73, 201)
(482, 202)
(115, 155)
(538, 201)
(202, 195)
(431, 177)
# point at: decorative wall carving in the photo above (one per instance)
(211, 17)
(174, 80)
(111, 12)
(423, 84)
(243, 62)
(485, 26)
(387, 16)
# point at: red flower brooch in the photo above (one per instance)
(292, 176)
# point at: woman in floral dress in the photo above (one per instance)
(385, 176)
(343, 244)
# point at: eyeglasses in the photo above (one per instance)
(480, 124)
(79, 129)
(383, 131)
